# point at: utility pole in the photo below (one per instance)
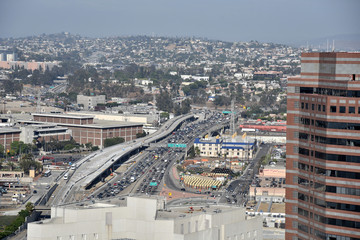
(232, 123)
(38, 107)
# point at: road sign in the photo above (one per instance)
(153, 184)
(177, 145)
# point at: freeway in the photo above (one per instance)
(146, 173)
(98, 163)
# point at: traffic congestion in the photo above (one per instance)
(146, 172)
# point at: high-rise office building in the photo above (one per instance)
(323, 148)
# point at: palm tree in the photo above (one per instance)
(11, 165)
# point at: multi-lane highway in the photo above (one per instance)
(149, 170)
(146, 175)
(94, 165)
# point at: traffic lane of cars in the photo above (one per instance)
(181, 134)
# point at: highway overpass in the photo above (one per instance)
(94, 167)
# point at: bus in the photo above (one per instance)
(47, 173)
(66, 176)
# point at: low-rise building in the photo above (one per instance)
(229, 147)
(9, 135)
(44, 132)
(84, 130)
(90, 102)
(144, 218)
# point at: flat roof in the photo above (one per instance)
(98, 125)
(70, 116)
(9, 130)
(183, 212)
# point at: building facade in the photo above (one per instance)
(90, 102)
(230, 147)
(83, 129)
(323, 148)
(9, 135)
(44, 132)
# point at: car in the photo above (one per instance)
(47, 187)
(34, 192)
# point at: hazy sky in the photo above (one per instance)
(233, 20)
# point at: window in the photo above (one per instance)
(323, 108)
(332, 108)
(352, 110)
(342, 109)
(319, 108)
(302, 105)
(306, 106)
(313, 107)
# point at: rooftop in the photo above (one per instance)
(62, 115)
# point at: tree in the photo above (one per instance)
(10, 165)
(113, 141)
(164, 102)
(140, 135)
(164, 115)
(29, 207)
(2, 151)
(27, 162)
(88, 145)
(197, 151)
(185, 106)
(192, 152)
(19, 147)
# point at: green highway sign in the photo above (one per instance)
(181, 145)
(153, 184)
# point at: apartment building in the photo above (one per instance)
(323, 148)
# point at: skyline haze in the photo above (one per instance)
(277, 21)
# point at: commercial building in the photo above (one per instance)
(83, 129)
(144, 218)
(9, 135)
(231, 147)
(323, 148)
(90, 102)
(13, 64)
(44, 132)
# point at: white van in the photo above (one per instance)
(66, 176)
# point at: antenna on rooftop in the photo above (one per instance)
(333, 46)
(327, 45)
